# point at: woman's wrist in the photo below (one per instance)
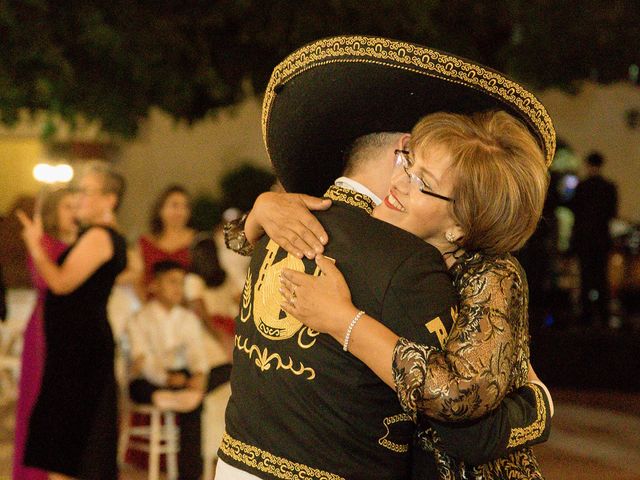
(36, 251)
(252, 229)
(342, 320)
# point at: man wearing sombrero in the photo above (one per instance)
(301, 407)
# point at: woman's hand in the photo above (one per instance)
(287, 220)
(31, 230)
(322, 303)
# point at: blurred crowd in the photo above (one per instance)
(583, 262)
(170, 310)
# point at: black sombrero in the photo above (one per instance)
(329, 92)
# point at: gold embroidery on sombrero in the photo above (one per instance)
(350, 197)
(521, 435)
(414, 58)
(269, 463)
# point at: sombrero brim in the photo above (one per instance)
(328, 93)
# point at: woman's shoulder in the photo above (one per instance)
(101, 234)
(480, 265)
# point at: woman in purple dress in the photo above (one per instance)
(73, 428)
(57, 209)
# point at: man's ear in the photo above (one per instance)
(403, 142)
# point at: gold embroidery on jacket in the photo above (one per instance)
(267, 462)
(245, 311)
(350, 197)
(264, 358)
(270, 320)
(520, 436)
(395, 447)
(436, 326)
(310, 333)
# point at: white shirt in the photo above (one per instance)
(224, 471)
(351, 184)
(222, 300)
(166, 340)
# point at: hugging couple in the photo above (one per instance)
(385, 335)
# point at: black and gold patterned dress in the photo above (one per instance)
(486, 357)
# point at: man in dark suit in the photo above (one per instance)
(594, 205)
(301, 407)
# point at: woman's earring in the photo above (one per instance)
(450, 236)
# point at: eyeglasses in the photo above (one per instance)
(89, 191)
(403, 160)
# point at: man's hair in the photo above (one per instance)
(112, 181)
(595, 159)
(500, 176)
(364, 147)
(164, 266)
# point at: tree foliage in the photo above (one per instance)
(113, 60)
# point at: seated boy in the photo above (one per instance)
(169, 366)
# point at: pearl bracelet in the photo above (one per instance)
(347, 336)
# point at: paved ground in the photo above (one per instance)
(595, 436)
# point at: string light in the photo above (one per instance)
(45, 173)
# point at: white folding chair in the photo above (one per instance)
(160, 437)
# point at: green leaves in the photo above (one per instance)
(112, 61)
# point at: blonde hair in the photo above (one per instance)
(500, 176)
(112, 181)
(49, 199)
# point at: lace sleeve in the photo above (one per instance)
(234, 237)
(477, 368)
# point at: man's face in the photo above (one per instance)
(168, 287)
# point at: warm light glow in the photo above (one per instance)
(43, 172)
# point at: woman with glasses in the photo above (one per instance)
(474, 187)
(73, 426)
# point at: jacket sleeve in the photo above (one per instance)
(474, 372)
(522, 419)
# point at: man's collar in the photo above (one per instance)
(352, 184)
(351, 197)
(160, 309)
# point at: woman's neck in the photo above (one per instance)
(172, 238)
(173, 231)
(451, 253)
(67, 237)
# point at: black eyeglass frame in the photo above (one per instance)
(413, 178)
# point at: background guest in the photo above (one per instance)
(169, 237)
(169, 364)
(594, 205)
(57, 209)
(214, 296)
(73, 429)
